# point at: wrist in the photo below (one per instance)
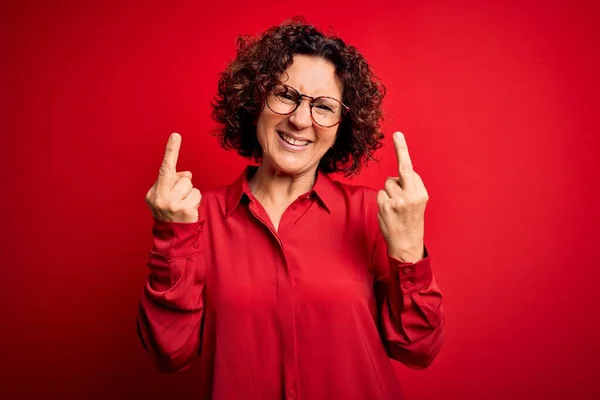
(408, 255)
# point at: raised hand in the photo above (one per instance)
(173, 198)
(402, 208)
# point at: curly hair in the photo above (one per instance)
(246, 81)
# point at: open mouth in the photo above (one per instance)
(292, 141)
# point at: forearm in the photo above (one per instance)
(412, 313)
(171, 308)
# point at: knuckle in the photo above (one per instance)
(173, 207)
(185, 181)
(389, 183)
(164, 169)
(185, 174)
(149, 195)
(388, 206)
(398, 203)
(160, 204)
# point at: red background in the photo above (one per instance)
(499, 103)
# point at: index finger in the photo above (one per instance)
(169, 163)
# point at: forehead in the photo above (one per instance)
(313, 76)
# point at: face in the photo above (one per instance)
(293, 144)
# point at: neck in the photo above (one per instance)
(271, 186)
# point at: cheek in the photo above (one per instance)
(266, 122)
(261, 124)
(265, 126)
(327, 138)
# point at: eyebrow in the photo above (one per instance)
(312, 97)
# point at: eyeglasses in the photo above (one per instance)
(325, 111)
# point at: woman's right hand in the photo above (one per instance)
(173, 198)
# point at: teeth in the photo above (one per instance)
(293, 141)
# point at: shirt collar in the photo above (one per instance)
(238, 189)
(327, 191)
(324, 187)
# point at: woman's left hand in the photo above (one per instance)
(402, 208)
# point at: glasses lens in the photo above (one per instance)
(283, 100)
(327, 111)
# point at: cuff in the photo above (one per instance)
(412, 277)
(176, 239)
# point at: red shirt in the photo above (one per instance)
(311, 311)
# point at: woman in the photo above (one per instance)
(286, 283)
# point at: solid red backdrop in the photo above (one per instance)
(499, 104)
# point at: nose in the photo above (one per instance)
(301, 117)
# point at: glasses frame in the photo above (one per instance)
(301, 96)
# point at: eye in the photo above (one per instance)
(324, 107)
(287, 96)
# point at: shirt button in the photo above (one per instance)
(407, 285)
(292, 393)
(406, 271)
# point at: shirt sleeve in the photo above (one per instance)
(411, 316)
(171, 308)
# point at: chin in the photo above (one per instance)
(287, 166)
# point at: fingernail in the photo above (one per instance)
(174, 136)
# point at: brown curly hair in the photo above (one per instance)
(245, 84)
